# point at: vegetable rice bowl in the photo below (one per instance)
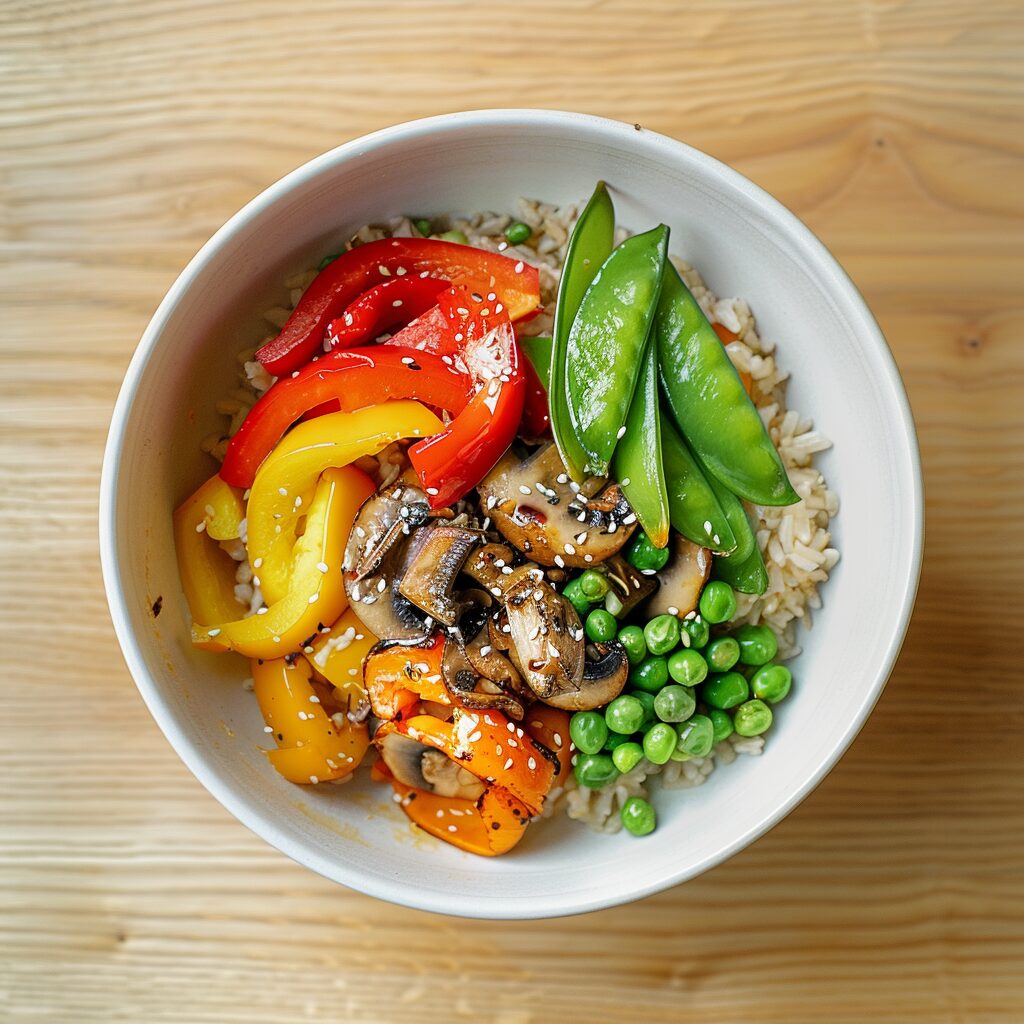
(475, 529)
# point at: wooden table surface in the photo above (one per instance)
(131, 129)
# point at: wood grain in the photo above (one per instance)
(129, 131)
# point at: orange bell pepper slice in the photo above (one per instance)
(398, 677)
(316, 592)
(550, 727)
(489, 827)
(490, 746)
(213, 513)
(311, 748)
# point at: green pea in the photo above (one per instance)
(674, 703)
(722, 654)
(624, 715)
(595, 770)
(328, 260)
(642, 554)
(680, 755)
(696, 736)
(632, 638)
(454, 236)
(422, 225)
(573, 593)
(659, 742)
(647, 700)
(722, 723)
(638, 816)
(627, 755)
(758, 644)
(593, 584)
(661, 634)
(752, 718)
(588, 731)
(517, 232)
(771, 683)
(687, 667)
(724, 690)
(697, 630)
(717, 602)
(650, 675)
(601, 626)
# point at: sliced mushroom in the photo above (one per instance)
(470, 687)
(373, 563)
(682, 579)
(554, 522)
(429, 577)
(603, 680)
(629, 585)
(487, 566)
(546, 633)
(425, 768)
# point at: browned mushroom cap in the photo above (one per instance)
(425, 768)
(603, 680)
(551, 520)
(682, 579)
(490, 566)
(373, 563)
(468, 687)
(629, 586)
(546, 633)
(430, 575)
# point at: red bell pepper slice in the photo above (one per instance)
(354, 380)
(395, 301)
(429, 333)
(454, 461)
(359, 269)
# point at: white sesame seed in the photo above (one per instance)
(560, 561)
(432, 491)
(570, 549)
(396, 303)
(314, 699)
(626, 482)
(201, 526)
(581, 538)
(268, 728)
(519, 267)
(262, 611)
(313, 779)
(562, 478)
(283, 491)
(557, 737)
(485, 650)
(707, 525)
(322, 566)
(627, 520)
(508, 764)
(213, 632)
(525, 489)
(313, 598)
(588, 558)
(622, 432)
(673, 610)
(452, 828)
(384, 272)
(531, 764)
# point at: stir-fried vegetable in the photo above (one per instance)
(709, 403)
(315, 591)
(366, 266)
(214, 513)
(590, 245)
(353, 380)
(607, 341)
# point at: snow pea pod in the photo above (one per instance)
(538, 351)
(637, 462)
(708, 402)
(736, 515)
(693, 507)
(748, 576)
(606, 344)
(589, 246)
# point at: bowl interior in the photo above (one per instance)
(744, 244)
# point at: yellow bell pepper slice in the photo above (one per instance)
(316, 594)
(215, 512)
(286, 480)
(311, 748)
(338, 656)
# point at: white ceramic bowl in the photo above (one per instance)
(744, 243)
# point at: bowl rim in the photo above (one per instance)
(396, 891)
